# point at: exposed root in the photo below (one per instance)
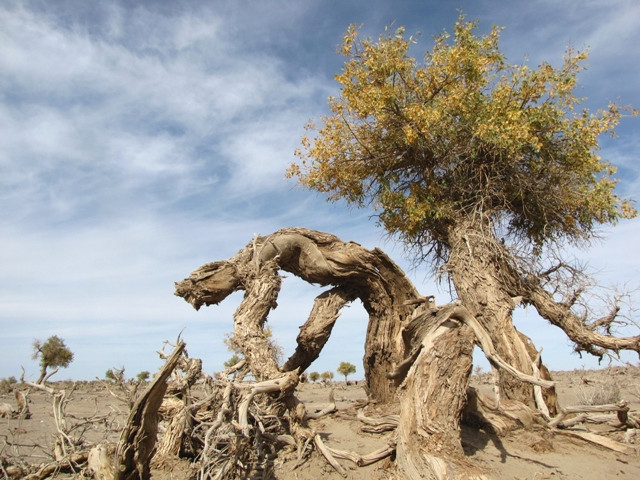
(378, 425)
(330, 408)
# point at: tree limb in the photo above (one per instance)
(584, 337)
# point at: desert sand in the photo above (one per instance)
(96, 415)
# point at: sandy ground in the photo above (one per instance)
(520, 455)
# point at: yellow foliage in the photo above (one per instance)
(463, 135)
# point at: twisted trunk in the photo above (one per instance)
(386, 293)
(431, 401)
(416, 354)
(483, 278)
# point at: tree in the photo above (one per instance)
(53, 354)
(326, 376)
(143, 376)
(346, 369)
(485, 169)
(314, 376)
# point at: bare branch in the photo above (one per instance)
(584, 337)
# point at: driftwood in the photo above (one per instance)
(329, 408)
(65, 445)
(138, 439)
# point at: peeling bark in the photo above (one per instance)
(431, 401)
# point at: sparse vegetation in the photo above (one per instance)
(326, 376)
(346, 369)
(7, 385)
(314, 376)
(115, 375)
(601, 394)
(52, 354)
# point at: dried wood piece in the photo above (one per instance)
(100, 462)
(537, 391)
(617, 407)
(364, 460)
(599, 440)
(64, 444)
(378, 425)
(284, 383)
(329, 455)
(138, 439)
(71, 463)
(330, 408)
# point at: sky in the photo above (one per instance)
(140, 140)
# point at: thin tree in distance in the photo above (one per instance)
(346, 369)
(52, 354)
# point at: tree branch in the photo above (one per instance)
(581, 334)
(462, 314)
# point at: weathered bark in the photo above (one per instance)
(317, 329)
(261, 293)
(585, 338)
(138, 439)
(176, 412)
(175, 408)
(431, 401)
(480, 270)
(320, 258)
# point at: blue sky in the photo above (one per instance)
(139, 140)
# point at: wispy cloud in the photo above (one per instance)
(186, 109)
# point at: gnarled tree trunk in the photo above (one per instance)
(387, 294)
(415, 353)
(480, 270)
(432, 397)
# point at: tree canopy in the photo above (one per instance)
(463, 135)
(346, 369)
(53, 353)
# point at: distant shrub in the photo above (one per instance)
(7, 384)
(326, 377)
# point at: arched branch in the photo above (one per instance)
(355, 272)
